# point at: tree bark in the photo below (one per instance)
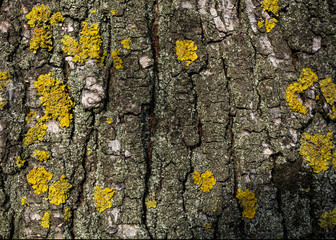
(145, 129)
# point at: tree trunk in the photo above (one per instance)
(177, 132)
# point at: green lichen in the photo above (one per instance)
(89, 45)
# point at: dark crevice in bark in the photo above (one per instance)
(148, 116)
(232, 158)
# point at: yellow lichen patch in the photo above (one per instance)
(59, 191)
(30, 116)
(103, 198)
(68, 214)
(20, 162)
(112, 12)
(54, 98)
(126, 43)
(39, 177)
(46, 220)
(109, 121)
(328, 89)
(24, 201)
(88, 46)
(3, 104)
(55, 18)
(334, 159)
(247, 201)
(186, 51)
(150, 203)
(35, 133)
(271, 6)
(93, 11)
(306, 80)
(41, 39)
(270, 24)
(316, 150)
(328, 220)
(206, 180)
(116, 59)
(42, 156)
(40, 17)
(4, 80)
(207, 226)
(261, 23)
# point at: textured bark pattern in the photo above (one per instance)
(226, 112)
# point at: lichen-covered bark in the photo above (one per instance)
(145, 128)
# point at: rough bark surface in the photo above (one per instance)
(226, 112)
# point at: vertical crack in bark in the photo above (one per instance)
(149, 120)
(230, 134)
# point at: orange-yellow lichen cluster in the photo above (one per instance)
(126, 43)
(186, 51)
(46, 220)
(41, 155)
(328, 89)
(103, 198)
(270, 6)
(328, 220)
(39, 178)
(247, 201)
(150, 203)
(206, 180)
(88, 46)
(54, 98)
(118, 62)
(59, 191)
(31, 116)
(306, 80)
(20, 162)
(24, 201)
(316, 150)
(57, 105)
(42, 18)
(4, 80)
(68, 214)
(269, 24)
(35, 133)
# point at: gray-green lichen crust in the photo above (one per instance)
(178, 108)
